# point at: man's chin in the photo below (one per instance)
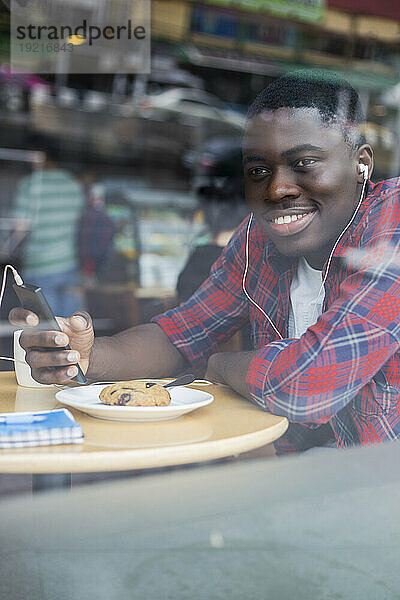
(315, 254)
(296, 248)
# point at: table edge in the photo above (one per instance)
(141, 458)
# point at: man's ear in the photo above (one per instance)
(365, 155)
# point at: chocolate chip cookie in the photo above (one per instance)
(135, 393)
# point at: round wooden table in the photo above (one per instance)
(230, 425)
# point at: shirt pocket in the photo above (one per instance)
(381, 398)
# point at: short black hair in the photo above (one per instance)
(335, 99)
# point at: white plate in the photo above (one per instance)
(86, 399)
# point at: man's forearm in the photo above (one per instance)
(143, 351)
(231, 368)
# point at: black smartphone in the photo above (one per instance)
(32, 298)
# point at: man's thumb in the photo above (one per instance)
(80, 321)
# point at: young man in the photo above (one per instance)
(325, 331)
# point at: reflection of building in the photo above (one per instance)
(233, 48)
(221, 37)
(237, 50)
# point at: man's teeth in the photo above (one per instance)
(289, 218)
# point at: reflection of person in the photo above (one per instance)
(95, 232)
(48, 205)
(331, 364)
(221, 218)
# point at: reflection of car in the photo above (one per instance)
(161, 80)
(137, 193)
(189, 106)
(217, 168)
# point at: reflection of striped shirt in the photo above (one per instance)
(51, 201)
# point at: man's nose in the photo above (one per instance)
(282, 185)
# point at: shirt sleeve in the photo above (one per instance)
(310, 379)
(214, 312)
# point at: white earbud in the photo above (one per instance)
(364, 170)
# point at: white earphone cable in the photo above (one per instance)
(17, 278)
(244, 280)
(328, 262)
(340, 237)
(19, 281)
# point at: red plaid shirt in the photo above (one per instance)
(340, 381)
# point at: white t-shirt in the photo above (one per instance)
(304, 310)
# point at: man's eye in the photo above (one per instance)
(257, 171)
(305, 162)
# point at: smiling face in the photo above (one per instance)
(302, 180)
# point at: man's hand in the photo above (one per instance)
(50, 364)
(230, 368)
